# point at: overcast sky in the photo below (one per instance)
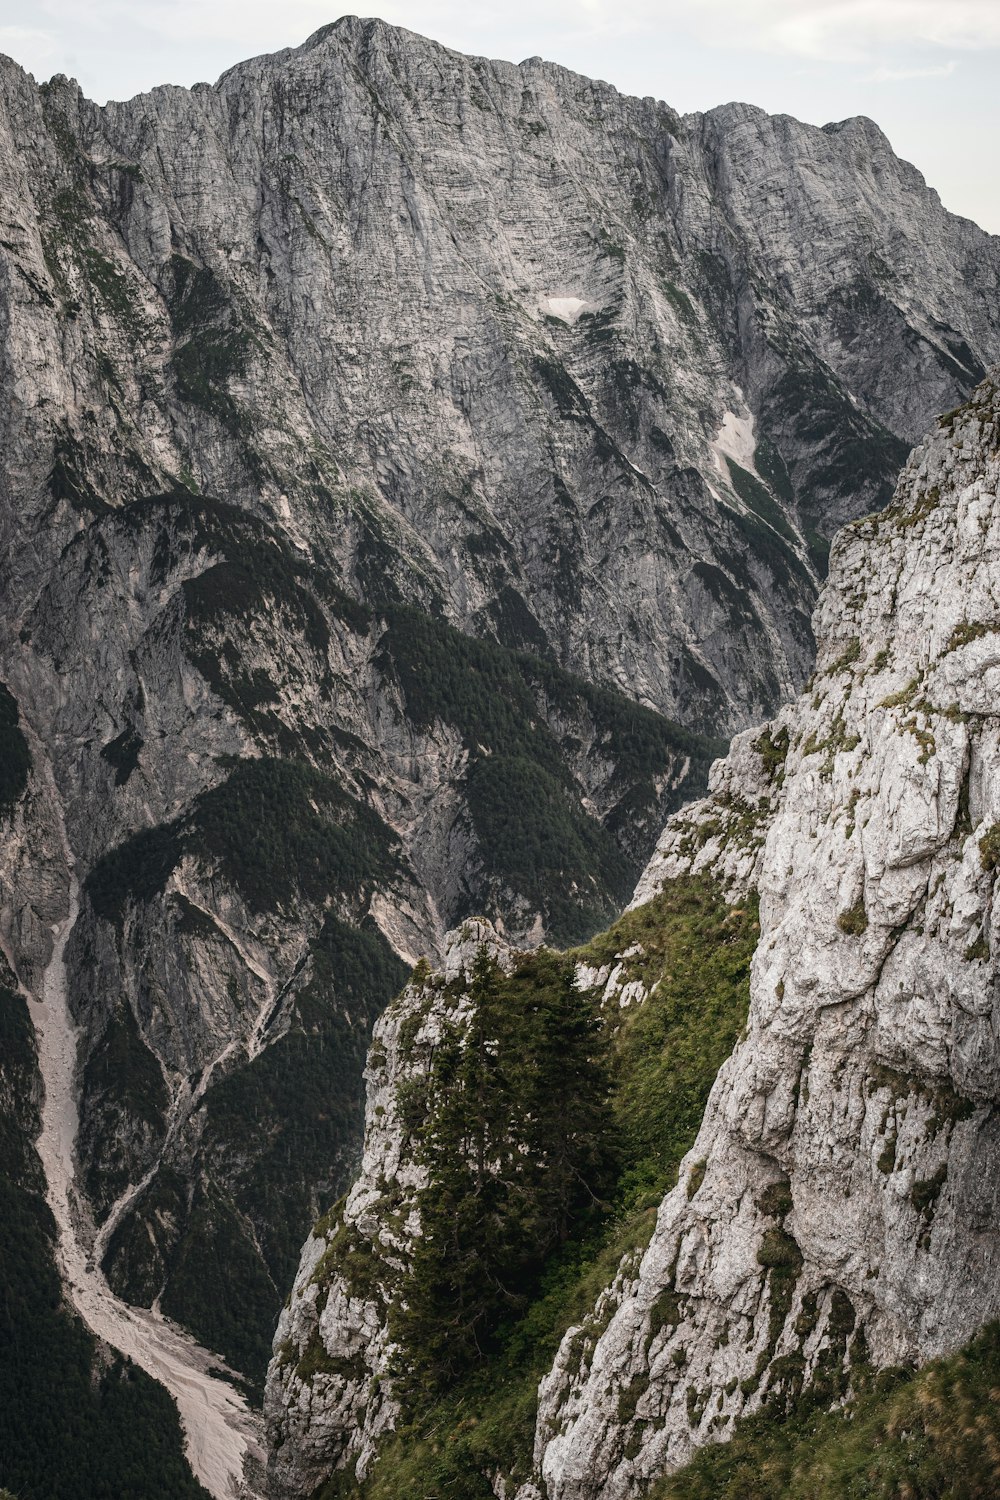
(927, 70)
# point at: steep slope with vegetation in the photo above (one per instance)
(902, 1433)
(846, 1219)
(372, 778)
(834, 1220)
(76, 1420)
(410, 464)
(526, 1112)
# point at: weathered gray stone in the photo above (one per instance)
(868, 1078)
(479, 337)
(846, 1171)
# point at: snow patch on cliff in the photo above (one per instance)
(567, 309)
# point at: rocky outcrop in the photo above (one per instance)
(80, 1367)
(330, 1397)
(591, 377)
(847, 1163)
(391, 439)
(295, 796)
(838, 1209)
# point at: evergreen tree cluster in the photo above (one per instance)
(15, 757)
(584, 1125)
(516, 1143)
(534, 833)
(276, 829)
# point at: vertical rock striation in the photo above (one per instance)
(391, 439)
(838, 1209)
(848, 1179)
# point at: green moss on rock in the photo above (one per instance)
(692, 953)
(935, 1433)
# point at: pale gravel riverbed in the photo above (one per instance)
(220, 1431)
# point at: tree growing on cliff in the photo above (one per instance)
(515, 1147)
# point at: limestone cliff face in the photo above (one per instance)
(275, 806)
(839, 1206)
(330, 1396)
(351, 405)
(590, 375)
(846, 1206)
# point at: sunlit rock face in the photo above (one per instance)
(367, 345)
(838, 1209)
(846, 1176)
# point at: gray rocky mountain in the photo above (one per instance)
(847, 1173)
(392, 439)
(837, 1209)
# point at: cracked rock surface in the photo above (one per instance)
(839, 1206)
(595, 378)
(351, 404)
(848, 1204)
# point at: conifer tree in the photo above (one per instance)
(568, 1107)
(513, 1144)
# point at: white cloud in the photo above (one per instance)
(35, 49)
(825, 30)
(898, 75)
(848, 30)
(20, 40)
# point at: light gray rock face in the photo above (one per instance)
(847, 1208)
(330, 1393)
(268, 830)
(479, 346)
(840, 1204)
(496, 331)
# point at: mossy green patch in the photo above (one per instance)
(924, 503)
(122, 1090)
(694, 960)
(692, 954)
(966, 631)
(933, 1433)
(989, 848)
(773, 750)
(73, 1423)
(275, 829)
(759, 498)
(854, 921)
(535, 836)
(850, 654)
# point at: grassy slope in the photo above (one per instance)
(666, 1054)
(933, 1434)
(282, 830)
